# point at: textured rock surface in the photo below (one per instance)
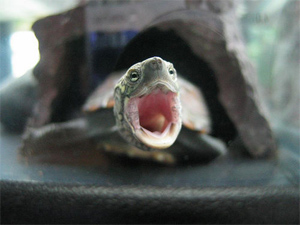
(62, 66)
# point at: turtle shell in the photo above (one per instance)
(195, 113)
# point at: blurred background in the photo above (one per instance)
(271, 32)
(19, 47)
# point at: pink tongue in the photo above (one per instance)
(156, 123)
(155, 111)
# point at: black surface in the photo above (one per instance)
(78, 186)
(57, 203)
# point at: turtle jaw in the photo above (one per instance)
(155, 117)
(160, 141)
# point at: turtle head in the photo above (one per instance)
(147, 105)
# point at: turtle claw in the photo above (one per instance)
(27, 147)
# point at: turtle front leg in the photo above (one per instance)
(74, 133)
(56, 135)
(194, 147)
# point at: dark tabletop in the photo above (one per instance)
(83, 167)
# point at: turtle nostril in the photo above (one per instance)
(156, 63)
(158, 60)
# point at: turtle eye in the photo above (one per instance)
(171, 71)
(134, 76)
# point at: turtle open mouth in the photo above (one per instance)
(155, 117)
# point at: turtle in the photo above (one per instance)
(148, 112)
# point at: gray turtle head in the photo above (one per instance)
(145, 76)
(147, 106)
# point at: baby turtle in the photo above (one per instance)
(147, 106)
